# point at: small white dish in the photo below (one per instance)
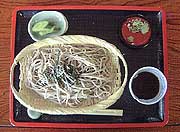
(55, 17)
(162, 85)
(33, 114)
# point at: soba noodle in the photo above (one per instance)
(72, 76)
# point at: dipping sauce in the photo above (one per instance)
(136, 31)
(145, 85)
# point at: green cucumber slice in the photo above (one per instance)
(39, 26)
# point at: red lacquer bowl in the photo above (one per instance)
(136, 31)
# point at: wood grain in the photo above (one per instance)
(173, 27)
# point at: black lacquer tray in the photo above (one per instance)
(103, 22)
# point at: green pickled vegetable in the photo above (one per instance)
(46, 31)
(130, 39)
(138, 25)
(39, 26)
(144, 28)
(44, 28)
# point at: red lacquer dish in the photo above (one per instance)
(136, 31)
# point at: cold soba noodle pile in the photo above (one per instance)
(72, 74)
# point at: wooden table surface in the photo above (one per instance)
(172, 8)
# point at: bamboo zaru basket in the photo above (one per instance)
(73, 74)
